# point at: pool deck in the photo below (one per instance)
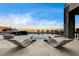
(38, 48)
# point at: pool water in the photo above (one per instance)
(39, 36)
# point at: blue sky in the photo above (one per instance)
(32, 15)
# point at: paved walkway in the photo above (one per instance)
(38, 48)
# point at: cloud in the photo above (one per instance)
(48, 12)
(27, 21)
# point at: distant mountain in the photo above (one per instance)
(5, 27)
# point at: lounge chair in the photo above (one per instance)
(56, 44)
(10, 37)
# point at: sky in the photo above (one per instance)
(32, 15)
(76, 21)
